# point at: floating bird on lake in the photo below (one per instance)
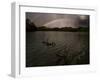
(49, 43)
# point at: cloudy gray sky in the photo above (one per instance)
(52, 20)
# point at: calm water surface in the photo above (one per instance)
(51, 48)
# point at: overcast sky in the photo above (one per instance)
(52, 20)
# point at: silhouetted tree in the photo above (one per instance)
(30, 26)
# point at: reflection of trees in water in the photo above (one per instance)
(64, 57)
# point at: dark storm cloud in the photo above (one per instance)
(57, 20)
(84, 22)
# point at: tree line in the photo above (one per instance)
(30, 26)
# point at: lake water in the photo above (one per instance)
(51, 48)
